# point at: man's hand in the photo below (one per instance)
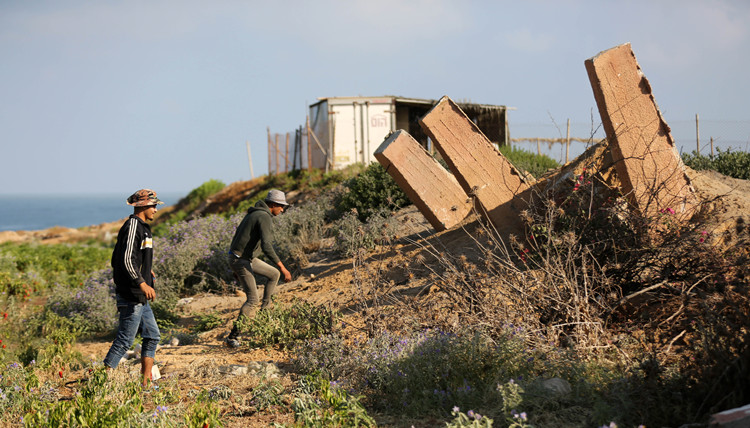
(148, 291)
(287, 275)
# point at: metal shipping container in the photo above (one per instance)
(348, 130)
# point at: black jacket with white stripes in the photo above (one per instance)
(132, 259)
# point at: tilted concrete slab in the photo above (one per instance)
(480, 169)
(433, 189)
(651, 171)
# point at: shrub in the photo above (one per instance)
(207, 322)
(28, 267)
(301, 230)
(52, 341)
(92, 307)
(423, 373)
(370, 191)
(191, 256)
(318, 403)
(353, 235)
(534, 164)
(286, 326)
(733, 164)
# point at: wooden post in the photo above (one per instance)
(249, 159)
(538, 148)
(269, 149)
(286, 154)
(697, 136)
(567, 143)
(712, 146)
(276, 152)
(309, 147)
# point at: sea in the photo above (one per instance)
(37, 212)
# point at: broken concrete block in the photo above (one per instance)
(651, 171)
(432, 189)
(733, 418)
(480, 169)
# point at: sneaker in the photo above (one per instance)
(232, 343)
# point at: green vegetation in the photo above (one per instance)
(733, 164)
(369, 192)
(534, 164)
(26, 268)
(319, 404)
(286, 326)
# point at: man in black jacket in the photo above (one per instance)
(134, 283)
(254, 236)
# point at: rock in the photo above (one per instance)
(267, 370)
(556, 386)
(174, 341)
(137, 349)
(184, 301)
(129, 355)
(733, 418)
(233, 369)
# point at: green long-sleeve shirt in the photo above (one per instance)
(255, 234)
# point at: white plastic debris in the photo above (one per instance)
(155, 373)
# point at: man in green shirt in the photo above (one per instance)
(254, 236)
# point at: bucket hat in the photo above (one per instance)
(277, 197)
(144, 198)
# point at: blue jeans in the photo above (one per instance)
(134, 318)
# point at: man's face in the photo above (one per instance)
(276, 209)
(149, 212)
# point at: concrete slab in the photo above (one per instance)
(430, 187)
(649, 167)
(479, 168)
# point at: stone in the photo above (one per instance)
(233, 369)
(184, 301)
(650, 169)
(174, 341)
(556, 386)
(481, 170)
(429, 186)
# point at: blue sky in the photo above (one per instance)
(109, 97)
